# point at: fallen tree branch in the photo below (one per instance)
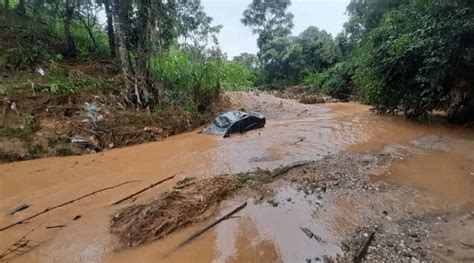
(55, 226)
(202, 231)
(287, 168)
(143, 190)
(363, 249)
(63, 204)
(20, 243)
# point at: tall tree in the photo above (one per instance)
(68, 17)
(268, 19)
(250, 61)
(110, 26)
(120, 9)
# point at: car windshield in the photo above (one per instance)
(226, 119)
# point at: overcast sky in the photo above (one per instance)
(235, 38)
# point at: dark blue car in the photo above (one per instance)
(235, 121)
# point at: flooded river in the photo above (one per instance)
(261, 232)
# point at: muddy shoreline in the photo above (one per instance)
(41, 125)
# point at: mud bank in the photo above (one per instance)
(369, 173)
(41, 125)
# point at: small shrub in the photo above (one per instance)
(335, 81)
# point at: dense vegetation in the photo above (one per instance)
(165, 52)
(418, 56)
(409, 56)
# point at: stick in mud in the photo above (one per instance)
(19, 244)
(363, 249)
(18, 209)
(55, 226)
(63, 204)
(202, 231)
(287, 168)
(144, 189)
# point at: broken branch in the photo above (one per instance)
(287, 168)
(363, 249)
(63, 204)
(20, 243)
(143, 190)
(200, 232)
(56, 226)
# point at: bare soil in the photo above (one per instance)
(42, 125)
(305, 95)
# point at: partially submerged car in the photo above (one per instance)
(235, 121)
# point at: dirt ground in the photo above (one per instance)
(305, 94)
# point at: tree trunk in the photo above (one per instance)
(120, 12)
(119, 19)
(110, 27)
(71, 45)
(144, 45)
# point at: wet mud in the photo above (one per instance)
(410, 184)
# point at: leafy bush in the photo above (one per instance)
(420, 58)
(85, 47)
(235, 76)
(29, 40)
(191, 79)
(335, 81)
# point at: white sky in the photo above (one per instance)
(235, 38)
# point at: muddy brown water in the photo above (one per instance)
(260, 232)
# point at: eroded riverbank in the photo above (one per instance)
(370, 170)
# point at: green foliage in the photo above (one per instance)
(188, 79)
(191, 78)
(335, 81)
(250, 61)
(235, 76)
(85, 47)
(60, 81)
(287, 61)
(418, 57)
(39, 36)
(28, 43)
(269, 19)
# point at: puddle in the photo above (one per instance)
(447, 174)
(277, 229)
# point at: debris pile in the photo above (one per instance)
(190, 201)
